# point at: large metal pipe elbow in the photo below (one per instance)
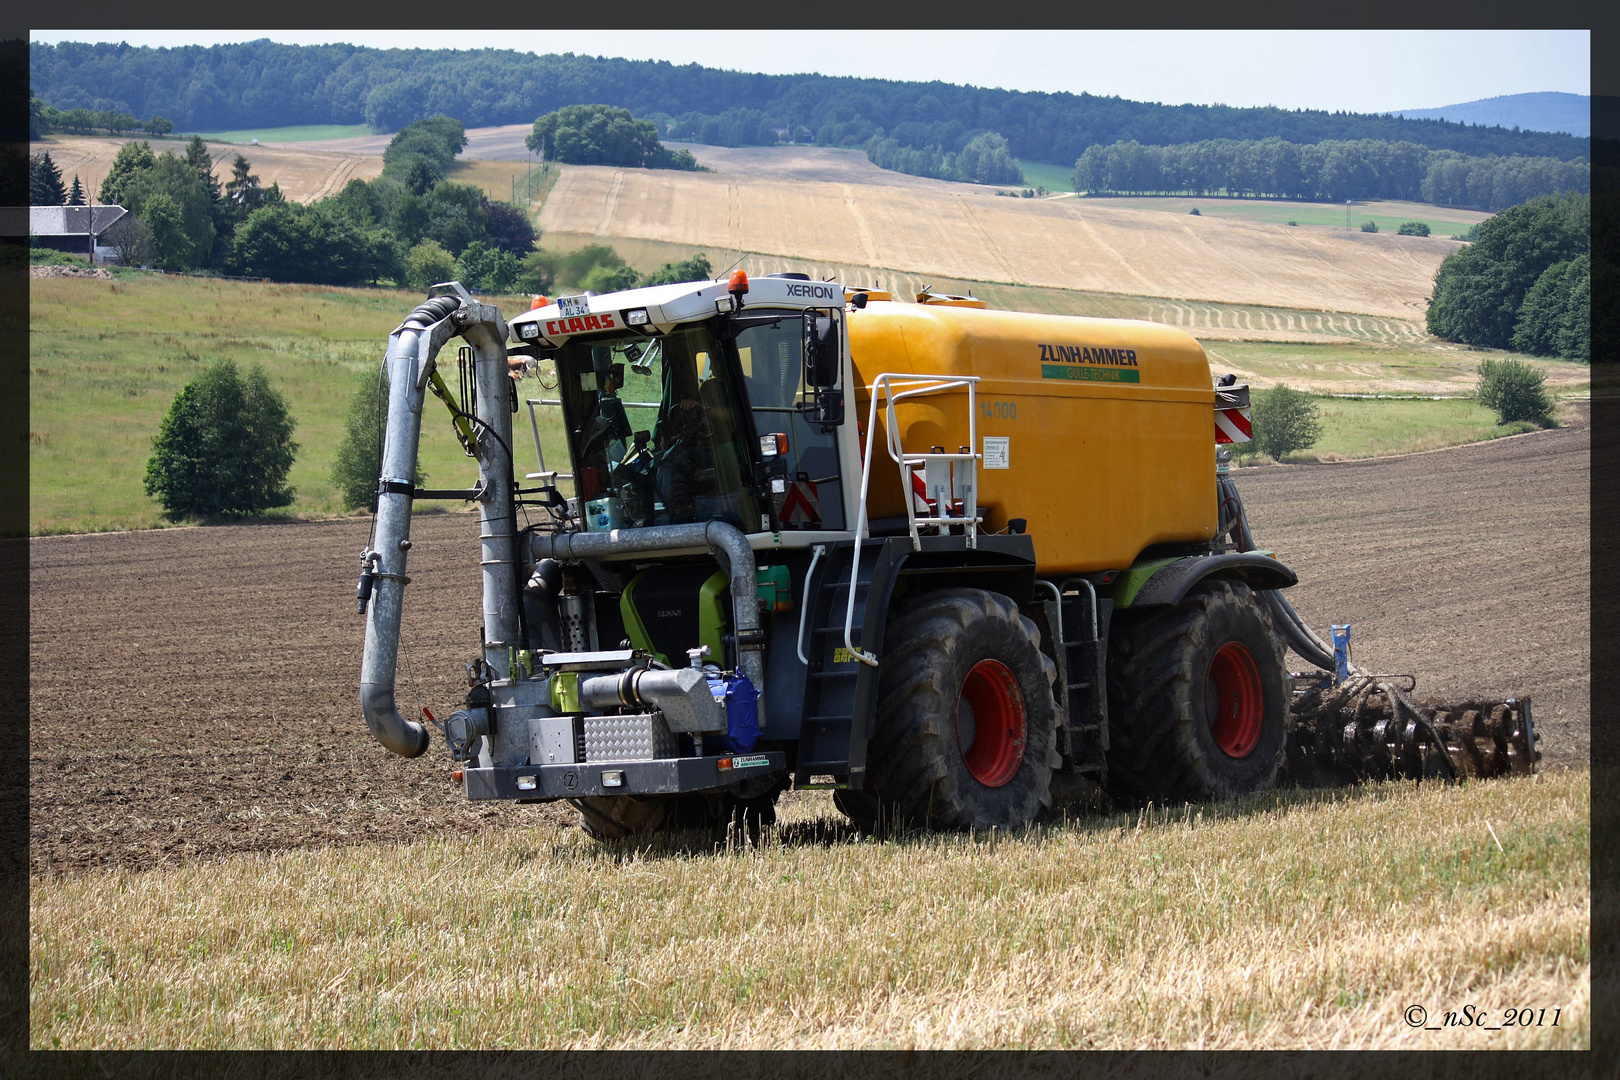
(407, 738)
(725, 538)
(728, 543)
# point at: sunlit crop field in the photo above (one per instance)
(304, 172)
(972, 235)
(1285, 920)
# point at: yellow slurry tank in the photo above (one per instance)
(1108, 424)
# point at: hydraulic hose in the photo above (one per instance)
(1299, 636)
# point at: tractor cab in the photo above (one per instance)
(696, 402)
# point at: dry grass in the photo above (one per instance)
(1288, 920)
(507, 181)
(1434, 367)
(971, 235)
(304, 172)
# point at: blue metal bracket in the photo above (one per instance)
(1341, 653)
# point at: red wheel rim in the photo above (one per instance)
(1234, 700)
(990, 728)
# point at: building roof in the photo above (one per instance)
(72, 220)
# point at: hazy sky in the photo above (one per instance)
(1353, 70)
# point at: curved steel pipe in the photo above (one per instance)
(411, 349)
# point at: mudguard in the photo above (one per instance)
(1170, 582)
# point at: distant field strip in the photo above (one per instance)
(1277, 323)
(304, 172)
(1068, 244)
(1201, 318)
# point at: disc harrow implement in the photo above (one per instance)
(1369, 728)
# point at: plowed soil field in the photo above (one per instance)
(194, 690)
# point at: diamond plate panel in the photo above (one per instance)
(629, 738)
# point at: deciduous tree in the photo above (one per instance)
(1285, 420)
(1515, 390)
(224, 448)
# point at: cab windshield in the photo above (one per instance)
(655, 431)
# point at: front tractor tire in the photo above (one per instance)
(746, 812)
(618, 817)
(966, 728)
(1198, 698)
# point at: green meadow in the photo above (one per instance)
(1389, 216)
(1049, 176)
(294, 133)
(107, 357)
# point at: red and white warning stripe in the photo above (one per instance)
(1233, 426)
(919, 490)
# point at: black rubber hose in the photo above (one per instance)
(1299, 636)
(431, 311)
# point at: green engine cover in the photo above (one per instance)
(667, 610)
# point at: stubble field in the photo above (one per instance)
(972, 235)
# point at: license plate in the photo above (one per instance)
(573, 307)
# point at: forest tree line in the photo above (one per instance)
(1334, 170)
(1525, 282)
(408, 224)
(261, 83)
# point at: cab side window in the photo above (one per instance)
(772, 358)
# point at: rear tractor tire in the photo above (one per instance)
(1198, 698)
(966, 731)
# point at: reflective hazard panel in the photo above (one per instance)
(801, 505)
(1232, 423)
(1233, 426)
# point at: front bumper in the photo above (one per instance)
(662, 776)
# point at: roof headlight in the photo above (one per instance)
(529, 331)
(636, 317)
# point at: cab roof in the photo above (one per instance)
(667, 306)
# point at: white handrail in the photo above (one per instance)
(804, 605)
(886, 385)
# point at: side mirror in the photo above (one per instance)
(820, 350)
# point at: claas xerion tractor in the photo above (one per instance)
(949, 562)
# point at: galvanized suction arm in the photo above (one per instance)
(411, 352)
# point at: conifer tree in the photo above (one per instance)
(45, 181)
